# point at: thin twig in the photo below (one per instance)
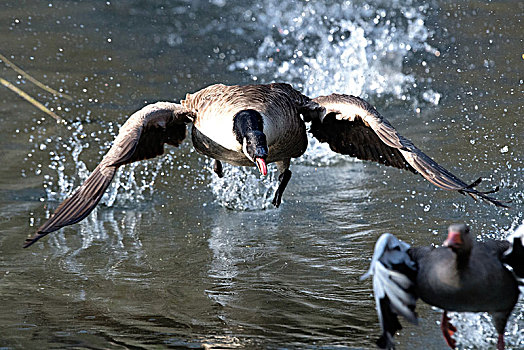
(30, 99)
(33, 80)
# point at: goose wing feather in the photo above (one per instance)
(142, 136)
(394, 272)
(351, 126)
(514, 254)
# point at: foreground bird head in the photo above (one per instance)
(459, 239)
(248, 128)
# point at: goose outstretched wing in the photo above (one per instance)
(394, 275)
(142, 136)
(352, 126)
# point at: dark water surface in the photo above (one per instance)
(182, 259)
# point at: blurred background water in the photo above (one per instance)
(179, 258)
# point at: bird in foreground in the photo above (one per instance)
(462, 275)
(254, 125)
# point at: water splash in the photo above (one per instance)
(132, 184)
(319, 154)
(322, 47)
(325, 47)
(477, 329)
(243, 188)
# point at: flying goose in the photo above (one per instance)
(463, 275)
(253, 125)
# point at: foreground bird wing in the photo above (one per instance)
(142, 136)
(394, 274)
(514, 255)
(352, 126)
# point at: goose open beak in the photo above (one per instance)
(261, 165)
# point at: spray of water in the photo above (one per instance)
(244, 188)
(477, 329)
(326, 47)
(342, 47)
(132, 184)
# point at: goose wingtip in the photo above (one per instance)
(483, 195)
(29, 242)
(33, 239)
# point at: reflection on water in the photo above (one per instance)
(254, 262)
(223, 268)
(176, 256)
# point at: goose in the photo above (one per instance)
(462, 275)
(254, 125)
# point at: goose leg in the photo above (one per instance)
(283, 179)
(448, 330)
(499, 321)
(217, 168)
(500, 343)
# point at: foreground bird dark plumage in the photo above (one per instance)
(463, 275)
(254, 125)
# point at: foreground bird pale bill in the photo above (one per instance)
(463, 275)
(254, 125)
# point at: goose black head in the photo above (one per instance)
(248, 128)
(459, 239)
